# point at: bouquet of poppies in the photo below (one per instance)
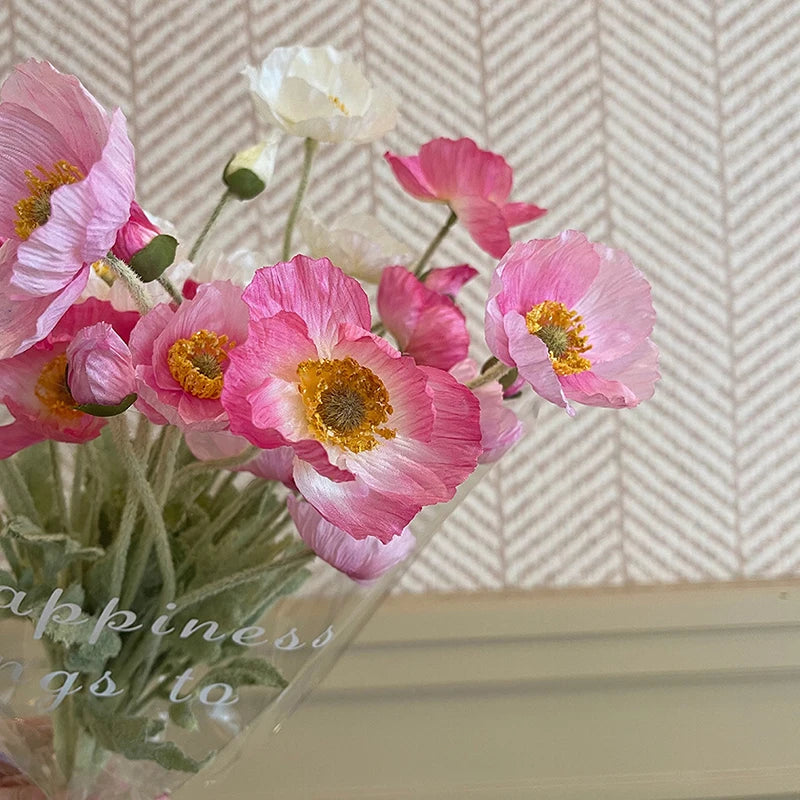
(188, 433)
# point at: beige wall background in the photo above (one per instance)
(665, 127)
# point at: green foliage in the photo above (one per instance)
(245, 671)
(134, 738)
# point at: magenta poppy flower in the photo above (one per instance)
(34, 388)
(575, 318)
(428, 326)
(181, 356)
(363, 560)
(375, 436)
(475, 183)
(66, 186)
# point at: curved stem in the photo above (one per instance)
(58, 481)
(223, 201)
(132, 281)
(494, 373)
(310, 149)
(170, 289)
(437, 240)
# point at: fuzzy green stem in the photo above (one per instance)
(78, 476)
(16, 492)
(170, 289)
(157, 530)
(494, 373)
(58, 482)
(437, 240)
(210, 222)
(132, 282)
(308, 160)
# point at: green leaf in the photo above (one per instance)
(56, 550)
(245, 671)
(183, 716)
(133, 738)
(97, 410)
(154, 257)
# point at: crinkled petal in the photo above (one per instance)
(353, 506)
(560, 269)
(363, 560)
(622, 383)
(23, 323)
(319, 293)
(617, 309)
(84, 219)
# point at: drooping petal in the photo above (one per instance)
(485, 223)
(363, 560)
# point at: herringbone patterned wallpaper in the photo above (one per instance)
(670, 128)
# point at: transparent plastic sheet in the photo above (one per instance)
(303, 636)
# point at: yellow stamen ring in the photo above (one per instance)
(196, 363)
(52, 390)
(346, 404)
(561, 329)
(34, 210)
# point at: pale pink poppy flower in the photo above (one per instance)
(428, 326)
(100, 366)
(66, 186)
(475, 183)
(181, 356)
(375, 436)
(33, 385)
(575, 318)
(500, 427)
(363, 560)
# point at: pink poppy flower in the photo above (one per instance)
(100, 367)
(449, 280)
(376, 437)
(66, 185)
(500, 427)
(181, 356)
(575, 318)
(363, 560)
(33, 385)
(428, 326)
(475, 183)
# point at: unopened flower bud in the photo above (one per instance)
(249, 172)
(140, 244)
(100, 371)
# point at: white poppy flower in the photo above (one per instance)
(319, 93)
(357, 243)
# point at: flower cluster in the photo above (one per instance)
(367, 410)
(230, 417)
